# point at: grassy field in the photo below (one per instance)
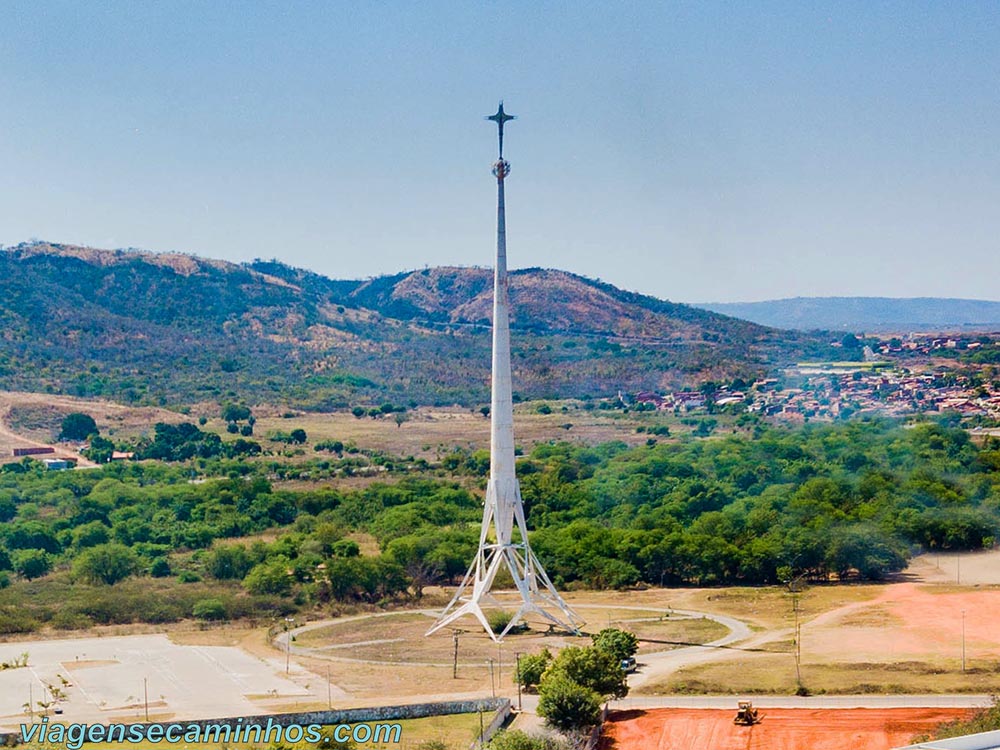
(775, 673)
(399, 637)
(427, 432)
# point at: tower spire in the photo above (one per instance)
(500, 118)
(503, 514)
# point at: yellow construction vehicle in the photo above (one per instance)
(746, 714)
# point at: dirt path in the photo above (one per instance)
(9, 439)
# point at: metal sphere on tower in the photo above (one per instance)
(501, 169)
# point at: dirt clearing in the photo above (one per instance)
(781, 729)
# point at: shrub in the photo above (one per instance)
(15, 620)
(567, 705)
(515, 739)
(68, 620)
(498, 620)
(209, 609)
(160, 568)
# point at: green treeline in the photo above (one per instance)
(769, 505)
(853, 500)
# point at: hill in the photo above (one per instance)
(168, 329)
(868, 314)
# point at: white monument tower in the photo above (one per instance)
(499, 546)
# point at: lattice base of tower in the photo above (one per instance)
(537, 595)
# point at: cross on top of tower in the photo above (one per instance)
(500, 118)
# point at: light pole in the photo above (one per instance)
(288, 642)
(493, 687)
(963, 641)
(798, 640)
(517, 674)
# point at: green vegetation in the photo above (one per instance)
(567, 705)
(531, 667)
(590, 667)
(577, 681)
(515, 739)
(174, 330)
(851, 501)
(77, 426)
(621, 644)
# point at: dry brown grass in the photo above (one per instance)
(432, 432)
(775, 673)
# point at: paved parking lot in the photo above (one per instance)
(107, 679)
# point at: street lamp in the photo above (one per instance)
(517, 674)
(963, 640)
(289, 621)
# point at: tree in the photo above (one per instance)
(298, 436)
(77, 426)
(8, 507)
(106, 563)
(31, 563)
(358, 412)
(531, 668)
(566, 705)
(591, 668)
(235, 413)
(621, 644)
(90, 535)
(271, 577)
(229, 563)
(100, 450)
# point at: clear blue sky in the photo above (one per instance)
(696, 151)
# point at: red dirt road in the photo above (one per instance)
(781, 728)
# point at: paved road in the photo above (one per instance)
(663, 663)
(812, 701)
